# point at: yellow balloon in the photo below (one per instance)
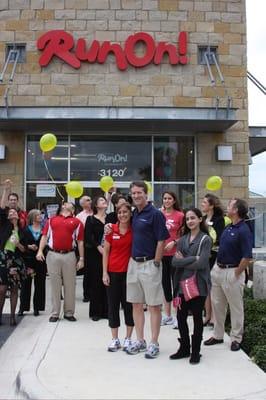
(214, 183)
(149, 187)
(48, 142)
(74, 189)
(106, 182)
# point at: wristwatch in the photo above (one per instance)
(157, 263)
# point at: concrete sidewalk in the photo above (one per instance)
(68, 360)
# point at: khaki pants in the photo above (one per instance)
(227, 289)
(144, 283)
(62, 271)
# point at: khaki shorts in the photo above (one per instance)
(144, 283)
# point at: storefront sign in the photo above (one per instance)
(60, 43)
(45, 190)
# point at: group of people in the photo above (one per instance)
(137, 255)
(20, 234)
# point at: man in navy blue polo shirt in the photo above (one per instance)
(228, 276)
(144, 277)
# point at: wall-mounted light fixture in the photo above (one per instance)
(224, 152)
(2, 151)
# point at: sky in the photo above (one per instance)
(256, 43)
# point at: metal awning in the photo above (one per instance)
(141, 119)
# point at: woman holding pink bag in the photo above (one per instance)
(192, 282)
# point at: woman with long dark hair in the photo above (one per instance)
(36, 270)
(192, 257)
(212, 209)
(93, 241)
(12, 267)
(174, 221)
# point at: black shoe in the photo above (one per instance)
(212, 341)
(20, 313)
(70, 318)
(86, 300)
(195, 358)
(53, 319)
(36, 313)
(182, 352)
(95, 318)
(235, 346)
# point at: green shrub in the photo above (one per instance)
(254, 310)
(248, 293)
(254, 334)
(258, 355)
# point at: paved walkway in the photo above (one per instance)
(41, 360)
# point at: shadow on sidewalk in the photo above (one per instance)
(6, 329)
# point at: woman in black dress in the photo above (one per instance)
(93, 239)
(12, 267)
(36, 270)
(212, 209)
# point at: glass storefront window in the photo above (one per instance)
(36, 198)
(87, 158)
(124, 158)
(174, 158)
(185, 194)
(41, 167)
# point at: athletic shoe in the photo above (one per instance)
(167, 320)
(152, 351)
(175, 324)
(126, 344)
(114, 345)
(136, 347)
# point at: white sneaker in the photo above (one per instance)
(114, 345)
(152, 351)
(175, 323)
(126, 344)
(167, 320)
(137, 347)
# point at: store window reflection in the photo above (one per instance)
(174, 159)
(124, 158)
(42, 166)
(185, 194)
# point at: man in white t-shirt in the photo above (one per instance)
(85, 203)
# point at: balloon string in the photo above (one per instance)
(52, 179)
(253, 218)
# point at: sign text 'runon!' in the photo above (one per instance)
(62, 45)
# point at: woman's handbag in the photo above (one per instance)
(189, 286)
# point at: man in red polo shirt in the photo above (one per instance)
(61, 233)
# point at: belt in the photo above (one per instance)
(225, 266)
(143, 259)
(61, 251)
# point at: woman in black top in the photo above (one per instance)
(93, 241)
(12, 267)
(214, 217)
(192, 257)
(116, 200)
(35, 269)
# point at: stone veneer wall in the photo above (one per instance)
(220, 23)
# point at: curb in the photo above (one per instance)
(27, 384)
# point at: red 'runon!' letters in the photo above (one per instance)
(61, 44)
